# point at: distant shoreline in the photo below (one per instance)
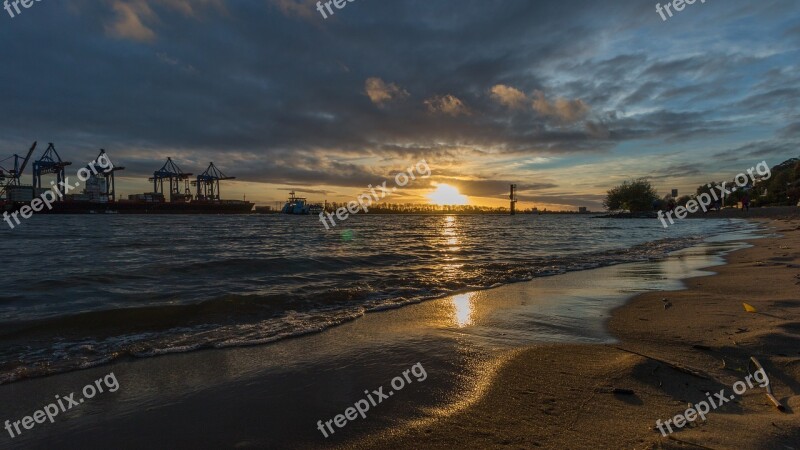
(727, 213)
(461, 213)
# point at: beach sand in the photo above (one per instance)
(557, 396)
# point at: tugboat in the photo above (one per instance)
(299, 206)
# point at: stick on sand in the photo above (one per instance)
(769, 386)
(694, 372)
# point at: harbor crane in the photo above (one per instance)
(9, 178)
(50, 162)
(109, 192)
(208, 183)
(170, 171)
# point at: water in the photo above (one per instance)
(83, 290)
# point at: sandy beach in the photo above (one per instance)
(560, 396)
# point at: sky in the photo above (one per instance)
(564, 98)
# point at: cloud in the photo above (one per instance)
(497, 188)
(134, 19)
(791, 131)
(508, 96)
(448, 104)
(193, 8)
(284, 101)
(562, 110)
(676, 171)
(778, 150)
(598, 130)
(380, 92)
(167, 59)
(306, 191)
(129, 24)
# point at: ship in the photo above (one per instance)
(299, 206)
(98, 195)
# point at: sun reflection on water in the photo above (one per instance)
(450, 236)
(462, 305)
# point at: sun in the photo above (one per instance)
(447, 195)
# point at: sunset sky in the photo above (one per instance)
(565, 98)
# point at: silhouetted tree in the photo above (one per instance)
(635, 196)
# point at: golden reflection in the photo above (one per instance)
(462, 305)
(450, 234)
(482, 374)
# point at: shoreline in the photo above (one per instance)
(271, 396)
(570, 402)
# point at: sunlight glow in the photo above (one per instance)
(462, 304)
(447, 195)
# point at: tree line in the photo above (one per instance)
(782, 188)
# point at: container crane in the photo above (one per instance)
(50, 162)
(208, 183)
(170, 171)
(9, 178)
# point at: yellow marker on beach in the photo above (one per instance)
(749, 308)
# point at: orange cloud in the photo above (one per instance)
(134, 18)
(509, 96)
(563, 110)
(380, 92)
(129, 22)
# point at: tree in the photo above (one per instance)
(683, 200)
(634, 196)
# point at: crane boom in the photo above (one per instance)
(17, 172)
(27, 158)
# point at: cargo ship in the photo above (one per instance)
(98, 195)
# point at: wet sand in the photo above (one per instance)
(558, 396)
(491, 381)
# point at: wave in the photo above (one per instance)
(90, 338)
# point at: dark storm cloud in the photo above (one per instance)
(272, 92)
